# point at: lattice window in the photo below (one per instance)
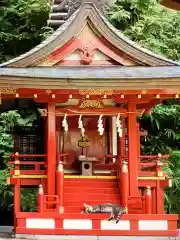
(26, 144)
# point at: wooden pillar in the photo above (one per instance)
(40, 199)
(159, 197)
(124, 186)
(138, 145)
(58, 135)
(138, 140)
(17, 196)
(132, 153)
(154, 201)
(148, 200)
(51, 148)
(110, 135)
(114, 137)
(60, 186)
(122, 139)
(121, 144)
(17, 200)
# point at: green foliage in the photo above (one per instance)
(23, 25)
(29, 199)
(163, 127)
(8, 122)
(149, 24)
(172, 195)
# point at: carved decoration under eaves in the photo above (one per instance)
(47, 62)
(87, 103)
(7, 90)
(87, 56)
(104, 91)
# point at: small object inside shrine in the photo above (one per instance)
(86, 165)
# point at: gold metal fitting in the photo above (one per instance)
(125, 167)
(40, 190)
(61, 209)
(16, 154)
(170, 182)
(60, 167)
(8, 181)
(160, 173)
(17, 162)
(16, 172)
(148, 190)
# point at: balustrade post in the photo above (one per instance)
(17, 164)
(158, 166)
(124, 183)
(40, 199)
(60, 185)
(148, 200)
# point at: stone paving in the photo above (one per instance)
(44, 237)
(5, 234)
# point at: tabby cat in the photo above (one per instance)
(115, 209)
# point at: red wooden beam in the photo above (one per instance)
(149, 105)
(90, 111)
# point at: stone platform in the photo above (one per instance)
(85, 237)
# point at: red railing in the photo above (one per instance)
(25, 167)
(152, 165)
(51, 202)
(137, 204)
(47, 203)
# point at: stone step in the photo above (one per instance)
(58, 1)
(58, 16)
(58, 8)
(55, 23)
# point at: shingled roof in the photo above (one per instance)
(85, 77)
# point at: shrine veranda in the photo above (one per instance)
(91, 84)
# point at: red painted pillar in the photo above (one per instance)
(148, 200)
(154, 201)
(40, 199)
(122, 141)
(17, 199)
(17, 196)
(124, 186)
(132, 153)
(51, 148)
(60, 185)
(138, 146)
(110, 135)
(160, 198)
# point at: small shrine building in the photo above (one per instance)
(92, 84)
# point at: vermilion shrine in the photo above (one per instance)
(93, 84)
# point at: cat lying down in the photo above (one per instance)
(115, 210)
